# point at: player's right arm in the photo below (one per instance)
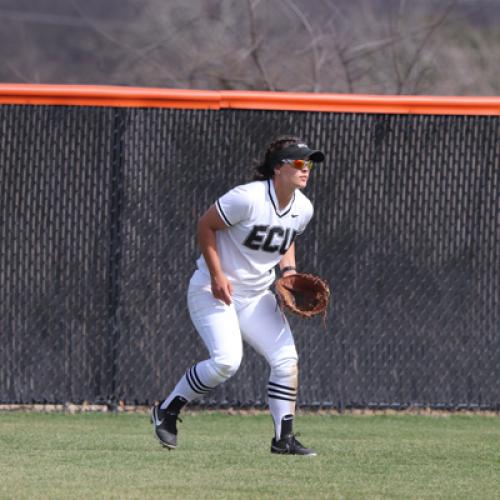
(209, 223)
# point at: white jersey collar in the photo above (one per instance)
(274, 200)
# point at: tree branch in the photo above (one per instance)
(314, 41)
(255, 44)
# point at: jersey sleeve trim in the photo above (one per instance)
(221, 213)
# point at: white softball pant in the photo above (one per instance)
(258, 321)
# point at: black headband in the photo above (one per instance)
(299, 151)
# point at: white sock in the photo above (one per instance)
(281, 403)
(197, 382)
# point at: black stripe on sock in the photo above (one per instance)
(279, 397)
(270, 389)
(203, 386)
(293, 389)
(193, 385)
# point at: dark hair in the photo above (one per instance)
(265, 169)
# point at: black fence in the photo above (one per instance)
(98, 208)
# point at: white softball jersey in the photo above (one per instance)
(257, 236)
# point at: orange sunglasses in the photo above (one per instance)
(299, 164)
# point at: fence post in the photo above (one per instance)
(115, 244)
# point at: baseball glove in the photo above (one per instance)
(303, 294)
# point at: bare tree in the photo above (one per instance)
(355, 46)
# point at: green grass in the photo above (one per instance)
(221, 456)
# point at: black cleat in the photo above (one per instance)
(165, 426)
(288, 445)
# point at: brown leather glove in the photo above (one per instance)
(303, 294)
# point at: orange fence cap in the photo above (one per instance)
(121, 96)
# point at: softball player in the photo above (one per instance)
(243, 236)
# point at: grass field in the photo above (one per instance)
(96, 455)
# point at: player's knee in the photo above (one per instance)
(226, 366)
(285, 367)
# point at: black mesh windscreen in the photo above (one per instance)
(98, 212)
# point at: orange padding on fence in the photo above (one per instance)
(95, 95)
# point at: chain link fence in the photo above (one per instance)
(98, 209)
